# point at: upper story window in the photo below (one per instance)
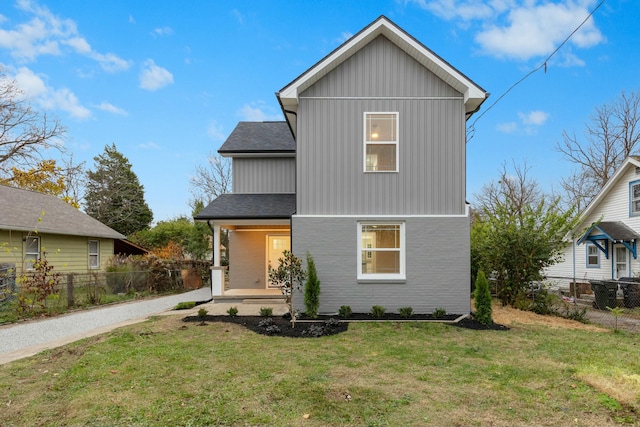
(381, 252)
(593, 256)
(634, 198)
(94, 254)
(381, 142)
(32, 252)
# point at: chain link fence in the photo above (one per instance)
(611, 303)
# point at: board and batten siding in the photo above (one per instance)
(437, 264)
(67, 254)
(431, 148)
(264, 175)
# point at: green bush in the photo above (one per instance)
(266, 311)
(202, 313)
(232, 312)
(439, 313)
(378, 311)
(405, 312)
(482, 297)
(185, 305)
(311, 289)
(344, 311)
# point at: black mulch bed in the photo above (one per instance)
(325, 325)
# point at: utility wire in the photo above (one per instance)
(471, 129)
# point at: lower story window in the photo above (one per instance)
(32, 252)
(381, 253)
(593, 256)
(94, 254)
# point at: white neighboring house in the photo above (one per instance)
(604, 244)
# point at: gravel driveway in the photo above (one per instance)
(31, 337)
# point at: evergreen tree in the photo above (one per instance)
(311, 289)
(482, 296)
(114, 195)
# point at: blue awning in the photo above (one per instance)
(614, 232)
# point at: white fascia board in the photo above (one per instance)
(607, 187)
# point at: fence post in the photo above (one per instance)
(70, 301)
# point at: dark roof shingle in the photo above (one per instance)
(259, 137)
(249, 206)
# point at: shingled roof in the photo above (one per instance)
(25, 210)
(249, 206)
(259, 137)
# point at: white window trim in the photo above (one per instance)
(631, 199)
(93, 267)
(29, 265)
(377, 277)
(591, 245)
(365, 142)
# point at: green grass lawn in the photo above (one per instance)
(166, 372)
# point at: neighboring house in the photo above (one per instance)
(367, 174)
(604, 244)
(33, 225)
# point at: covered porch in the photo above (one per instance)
(616, 241)
(258, 227)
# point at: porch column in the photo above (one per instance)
(217, 271)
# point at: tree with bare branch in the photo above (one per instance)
(609, 138)
(211, 180)
(25, 134)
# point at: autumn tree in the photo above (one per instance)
(26, 135)
(180, 236)
(517, 232)
(610, 137)
(114, 195)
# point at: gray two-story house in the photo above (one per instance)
(367, 174)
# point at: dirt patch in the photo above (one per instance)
(509, 316)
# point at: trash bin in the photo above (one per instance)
(605, 293)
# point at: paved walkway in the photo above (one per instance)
(31, 337)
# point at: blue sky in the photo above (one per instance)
(167, 81)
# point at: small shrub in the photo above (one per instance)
(232, 312)
(439, 313)
(272, 330)
(482, 296)
(265, 323)
(405, 312)
(344, 311)
(311, 289)
(185, 305)
(573, 312)
(266, 311)
(202, 313)
(378, 311)
(332, 323)
(544, 303)
(314, 330)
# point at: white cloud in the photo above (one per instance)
(521, 29)
(344, 36)
(239, 17)
(110, 108)
(535, 118)
(35, 89)
(509, 127)
(47, 34)
(149, 146)
(164, 31)
(258, 111)
(214, 130)
(153, 77)
(131, 19)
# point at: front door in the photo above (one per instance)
(275, 246)
(622, 262)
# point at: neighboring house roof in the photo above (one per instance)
(631, 161)
(25, 210)
(616, 231)
(259, 137)
(250, 206)
(125, 247)
(473, 94)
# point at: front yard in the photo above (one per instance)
(542, 371)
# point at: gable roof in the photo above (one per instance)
(631, 161)
(615, 231)
(25, 210)
(474, 95)
(259, 137)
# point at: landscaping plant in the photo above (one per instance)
(482, 297)
(344, 311)
(378, 311)
(311, 289)
(288, 276)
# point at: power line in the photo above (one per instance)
(471, 129)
